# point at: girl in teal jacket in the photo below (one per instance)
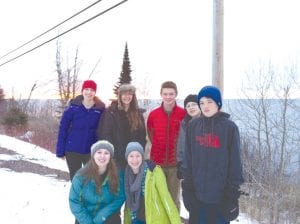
(147, 197)
(97, 190)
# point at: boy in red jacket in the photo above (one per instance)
(163, 128)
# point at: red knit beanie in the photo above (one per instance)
(89, 84)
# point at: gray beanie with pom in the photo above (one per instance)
(102, 144)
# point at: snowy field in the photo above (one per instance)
(28, 198)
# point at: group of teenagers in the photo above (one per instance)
(195, 148)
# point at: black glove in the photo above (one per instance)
(179, 171)
(230, 203)
(189, 197)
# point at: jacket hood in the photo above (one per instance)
(209, 122)
(219, 114)
(78, 101)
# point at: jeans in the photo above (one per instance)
(210, 214)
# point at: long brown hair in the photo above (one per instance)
(133, 113)
(90, 172)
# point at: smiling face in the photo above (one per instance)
(208, 106)
(102, 158)
(126, 98)
(192, 109)
(168, 97)
(88, 93)
(135, 160)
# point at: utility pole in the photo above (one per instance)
(217, 54)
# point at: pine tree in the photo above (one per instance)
(125, 76)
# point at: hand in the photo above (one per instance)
(232, 193)
(230, 203)
(189, 198)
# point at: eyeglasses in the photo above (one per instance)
(191, 105)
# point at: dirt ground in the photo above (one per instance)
(23, 166)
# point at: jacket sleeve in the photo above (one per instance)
(164, 194)
(235, 176)
(142, 132)
(180, 144)
(107, 126)
(63, 131)
(100, 124)
(150, 128)
(76, 203)
(114, 206)
(188, 192)
(188, 160)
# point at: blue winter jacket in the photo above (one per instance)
(78, 127)
(88, 206)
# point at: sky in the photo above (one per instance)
(28, 198)
(167, 40)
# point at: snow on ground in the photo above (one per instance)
(31, 198)
(28, 198)
(32, 153)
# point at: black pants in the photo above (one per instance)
(113, 219)
(75, 161)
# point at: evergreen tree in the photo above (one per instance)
(125, 76)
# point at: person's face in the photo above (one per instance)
(135, 160)
(208, 106)
(126, 98)
(88, 93)
(102, 157)
(192, 109)
(168, 96)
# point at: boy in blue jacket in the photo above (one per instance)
(214, 170)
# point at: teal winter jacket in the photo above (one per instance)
(88, 206)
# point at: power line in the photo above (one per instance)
(88, 20)
(47, 31)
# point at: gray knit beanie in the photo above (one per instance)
(134, 146)
(102, 144)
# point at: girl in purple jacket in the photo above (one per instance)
(78, 127)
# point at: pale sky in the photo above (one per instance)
(167, 40)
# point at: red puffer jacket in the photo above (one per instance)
(163, 130)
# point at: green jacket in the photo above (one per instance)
(159, 205)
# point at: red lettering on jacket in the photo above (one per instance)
(209, 140)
